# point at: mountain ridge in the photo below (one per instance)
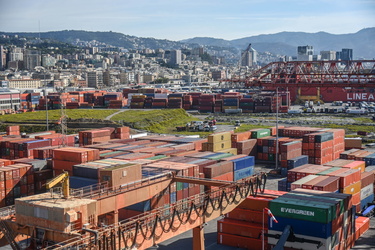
(281, 43)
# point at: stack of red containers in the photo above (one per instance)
(206, 103)
(13, 130)
(187, 101)
(15, 181)
(63, 159)
(243, 227)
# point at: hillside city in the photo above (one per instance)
(30, 65)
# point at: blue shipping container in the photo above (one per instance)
(243, 173)
(80, 182)
(243, 162)
(367, 200)
(298, 161)
(173, 197)
(309, 228)
(142, 206)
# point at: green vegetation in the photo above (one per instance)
(54, 115)
(247, 127)
(350, 128)
(157, 121)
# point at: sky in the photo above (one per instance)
(182, 19)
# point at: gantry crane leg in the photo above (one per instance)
(198, 238)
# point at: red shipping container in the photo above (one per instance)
(241, 242)
(224, 177)
(330, 184)
(255, 203)
(310, 184)
(241, 228)
(218, 169)
(247, 215)
(349, 177)
(367, 178)
(242, 136)
(63, 165)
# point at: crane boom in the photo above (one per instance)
(64, 178)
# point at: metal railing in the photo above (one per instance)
(203, 204)
(105, 190)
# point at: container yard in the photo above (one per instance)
(113, 190)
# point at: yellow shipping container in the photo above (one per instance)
(219, 137)
(229, 150)
(352, 189)
(230, 107)
(215, 147)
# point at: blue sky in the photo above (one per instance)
(182, 19)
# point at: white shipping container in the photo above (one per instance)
(367, 191)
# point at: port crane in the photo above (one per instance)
(139, 232)
(62, 178)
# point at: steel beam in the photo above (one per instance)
(112, 201)
(200, 181)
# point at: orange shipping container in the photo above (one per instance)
(356, 165)
(246, 215)
(255, 203)
(242, 136)
(240, 241)
(241, 228)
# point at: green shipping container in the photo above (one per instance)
(301, 210)
(220, 156)
(328, 171)
(271, 157)
(334, 206)
(260, 133)
(340, 201)
(157, 157)
(179, 186)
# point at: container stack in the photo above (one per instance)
(247, 105)
(243, 166)
(219, 142)
(89, 137)
(367, 189)
(15, 181)
(324, 217)
(242, 228)
(206, 103)
(276, 102)
(231, 101)
(293, 163)
(24, 148)
(57, 139)
(175, 100)
(40, 179)
(290, 150)
(13, 130)
(244, 144)
(187, 101)
(353, 143)
(263, 104)
(63, 159)
(137, 101)
(158, 103)
(112, 96)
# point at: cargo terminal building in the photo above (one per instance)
(9, 99)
